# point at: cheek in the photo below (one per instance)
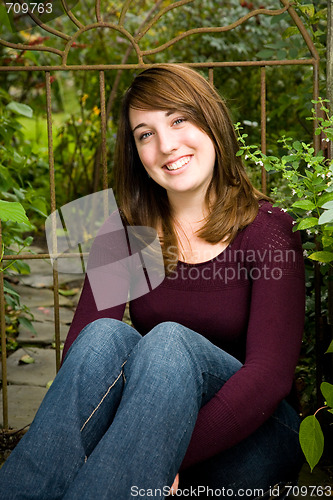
(201, 140)
(146, 157)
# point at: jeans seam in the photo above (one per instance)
(285, 425)
(105, 395)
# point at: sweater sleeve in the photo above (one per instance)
(273, 341)
(106, 285)
(87, 312)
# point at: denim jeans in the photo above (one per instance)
(118, 418)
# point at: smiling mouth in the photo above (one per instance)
(178, 164)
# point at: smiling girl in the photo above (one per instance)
(198, 384)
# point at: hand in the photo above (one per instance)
(174, 486)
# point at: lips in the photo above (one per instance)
(177, 164)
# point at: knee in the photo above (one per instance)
(104, 335)
(170, 335)
(167, 344)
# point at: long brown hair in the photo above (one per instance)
(143, 201)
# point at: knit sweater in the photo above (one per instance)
(249, 301)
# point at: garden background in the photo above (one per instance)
(298, 170)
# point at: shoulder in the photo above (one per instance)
(272, 227)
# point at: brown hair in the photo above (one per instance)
(143, 201)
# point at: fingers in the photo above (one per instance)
(174, 486)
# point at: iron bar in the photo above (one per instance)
(98, 11)
(124, 12)
(306, 37)
(53, 209)
(103, 128)
(211, 76)
(54, 256)
(220, 29)
(3, 343)
(212, 29)
(71, 15)
(102, 24)
(263, 125)
(106, 67)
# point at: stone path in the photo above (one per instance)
(27, 382)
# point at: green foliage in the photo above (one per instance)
(311, 440)
(78, 151)
(308, 177)
(17, 165)
(310, 434)
(12, 210)
(307, 194)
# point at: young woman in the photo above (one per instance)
(198, 385)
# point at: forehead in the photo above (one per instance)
(142, 117)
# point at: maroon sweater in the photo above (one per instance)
(249, 300)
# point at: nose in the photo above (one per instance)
(167, 141)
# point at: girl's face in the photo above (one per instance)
(175, 153)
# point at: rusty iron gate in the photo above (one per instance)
(156, 12)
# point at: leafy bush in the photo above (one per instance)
(17, 165)
(307, 193)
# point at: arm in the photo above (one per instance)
(86, 312)
(106, 284)
(274, 336)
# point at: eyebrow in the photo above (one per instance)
(140, 125)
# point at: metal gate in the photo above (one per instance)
(69, 41)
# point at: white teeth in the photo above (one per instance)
(178, 164)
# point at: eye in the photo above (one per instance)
(179, 120)
(144, 136)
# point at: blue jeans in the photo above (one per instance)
(118, 419)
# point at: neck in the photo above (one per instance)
(188, 209)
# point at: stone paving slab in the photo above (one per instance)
(44, 335)
(47, 314)
(38, 373)
(46, 281)
(33, 297)
(23, 402)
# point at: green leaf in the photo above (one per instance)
(304, 204)
(322, 256)
(307, 223)
(309, 245)
(12, 210)
(311, 440)
(26, 359)
(69, 293)
(22, 267)
(8, 289)
(326, 217)
(27, 324)
(308, 9)
(265, 53)
(292, 30)
(20, 109)
(327, 241)
(325, 198)
(327, 392)
(330, 348)
(328, 205)
(39, 206)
